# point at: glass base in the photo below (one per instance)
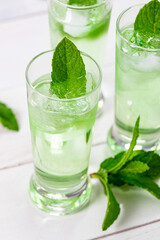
(119, 140)
(59, 202)
(100, 104)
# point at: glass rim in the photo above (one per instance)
(126, 40)
(63, 99)
(79, 7)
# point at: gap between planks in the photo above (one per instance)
(104, 236)
(126, 230)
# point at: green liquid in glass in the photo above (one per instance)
(61, 131)
(137, 88)
(61, 138)
(87, 28)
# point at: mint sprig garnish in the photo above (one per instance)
(68, 71)
(142, 182)
(152, 159)
(123, 157)
(7, 118)
(82, 2)
(135, 168)
(113, 208)
(148, 19)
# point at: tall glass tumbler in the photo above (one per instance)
(61, 131)
(137, 87)
(86, 26)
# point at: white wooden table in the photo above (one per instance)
(24, 33)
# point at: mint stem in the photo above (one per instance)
(92, 175)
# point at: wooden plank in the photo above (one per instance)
(145, 231)
(15, 147)
(20, 41)
(19, 218)
(11, 9)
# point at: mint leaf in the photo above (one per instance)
(154, 165)
(82, 2)
(141, 155)
(115, 180)
(7, 118)
(127, 154)
(151, 159)
(68, 71)
(136, 153)
(135, 167)
(113, 208)
(142, 182)
(109, 163)
(88, 135)
(148, 18)
(113, 165)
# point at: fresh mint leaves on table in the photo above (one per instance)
(135, 168)
(68, 71)
(82, 2)
(113, 208)
(7, 118)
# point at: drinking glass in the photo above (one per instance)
(86, 26)
(137, 87)
(61, 132)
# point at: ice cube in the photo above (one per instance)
(51, 143)
(76, 23)
(154, 42)
(146, 63)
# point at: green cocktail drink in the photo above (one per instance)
(86, 25)
(84, 22)
(61, 131)
(137, 86)
(61, 137)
